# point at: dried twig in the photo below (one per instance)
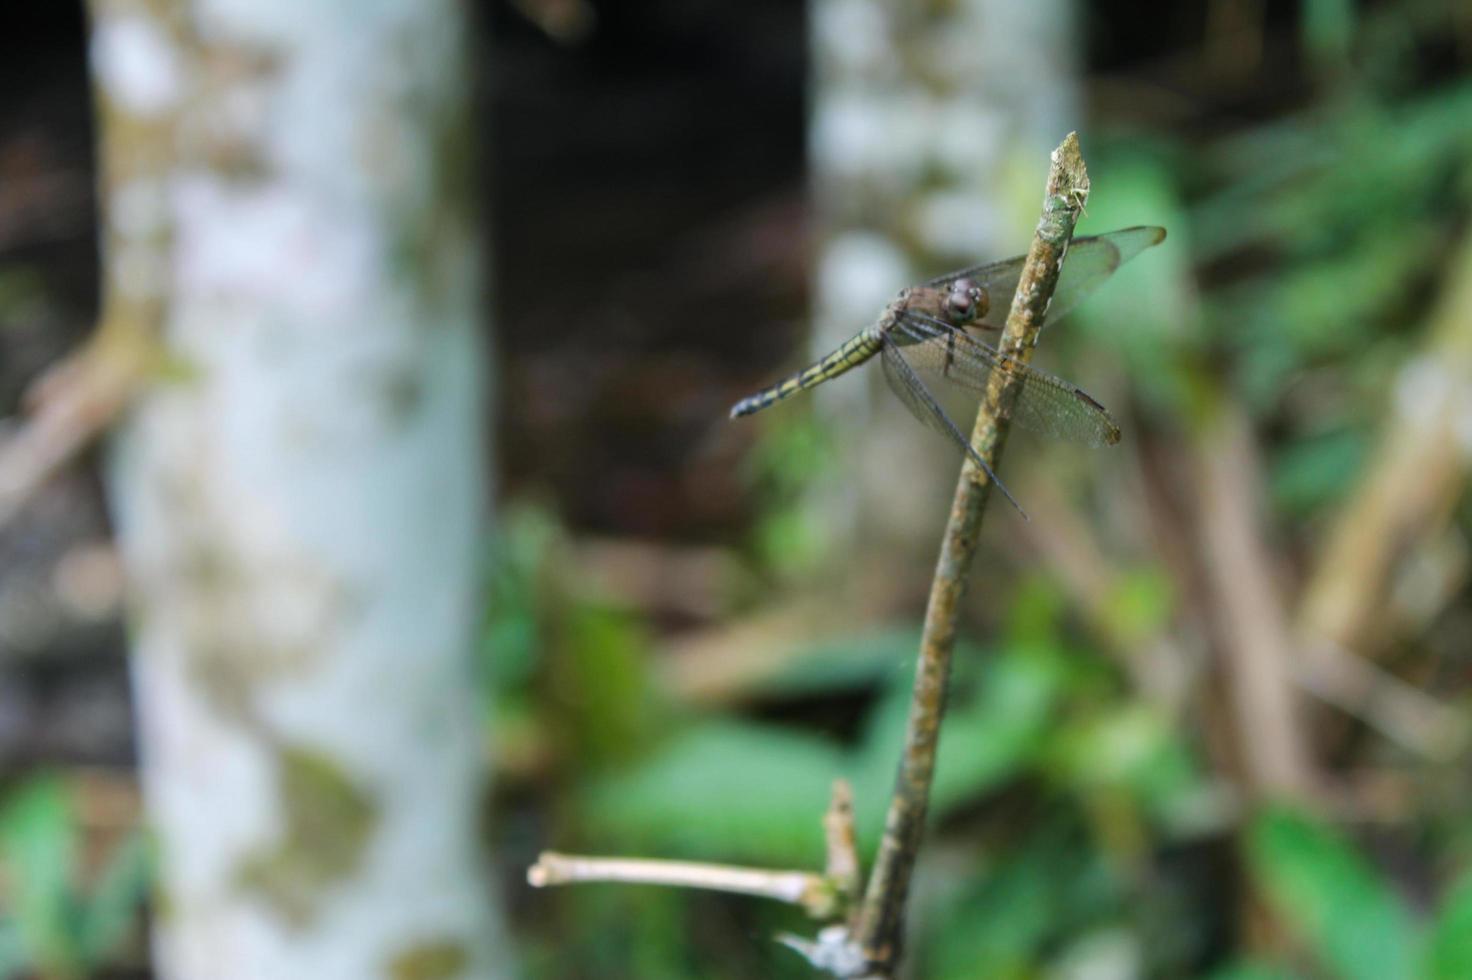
(564, 21)
(1403, 713)
(805, 888)
(1248, 613)
(1161, 661)
(881, 923)
(70, 406)
(824, 896)
(842, 869)
(1420, 471)
(81, 398)
(1346, 616)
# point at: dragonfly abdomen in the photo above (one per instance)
(850, 355)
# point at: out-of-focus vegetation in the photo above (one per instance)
(67, 912)
(1084, 825)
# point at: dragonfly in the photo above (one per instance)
(929, 332)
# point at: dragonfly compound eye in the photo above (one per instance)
(966, 299)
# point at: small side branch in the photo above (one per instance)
(69, 407)
(80, 399)
(881, 921)
(842, 870)
(822, 896)
(804, 888)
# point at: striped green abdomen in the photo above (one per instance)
(853, 353)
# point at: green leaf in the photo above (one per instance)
(1313, 473)
(722, 792)
(1143, 184)
(1332, 897)
(999, 916)
(1132, 746)
(990, 738)
(512, 634)
(1251, 971)
(119, 894)
(38, 844)
(790, 455)
(1141, 604)
(788, 540)
(1328, 30)
(1035, 616)
(611, 708)
(14, 961)
(1449, 956)
(996, 719)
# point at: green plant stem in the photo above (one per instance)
(881, 921)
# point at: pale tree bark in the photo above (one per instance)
(921, 112)
(291, 250)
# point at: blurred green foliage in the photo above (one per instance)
(1026, 720)
(60, 921)
(1352, 920)
(1323, 235)
(1057, 796)
(1449, 953)
(561, 664)
(785, 462)
(1078, 826)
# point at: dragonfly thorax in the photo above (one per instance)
(963, 303)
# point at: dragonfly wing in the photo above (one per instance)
(1045, 404)
(1089, 262)
(910, 390)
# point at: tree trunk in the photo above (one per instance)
(922, 111)
(289, 238)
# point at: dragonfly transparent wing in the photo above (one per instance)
(1045, 404)
(907, 386)
(1089, 262)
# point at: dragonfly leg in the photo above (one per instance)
(976, 458)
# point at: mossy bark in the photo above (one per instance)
(299, 493)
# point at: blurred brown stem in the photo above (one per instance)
(1162, 662)
(842, 868)
(75, 402)
(1419, 473)
(881, 922)
(1247, 611)
(69, 407)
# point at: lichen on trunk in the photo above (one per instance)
(300, 495)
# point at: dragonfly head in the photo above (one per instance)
(966, 301)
